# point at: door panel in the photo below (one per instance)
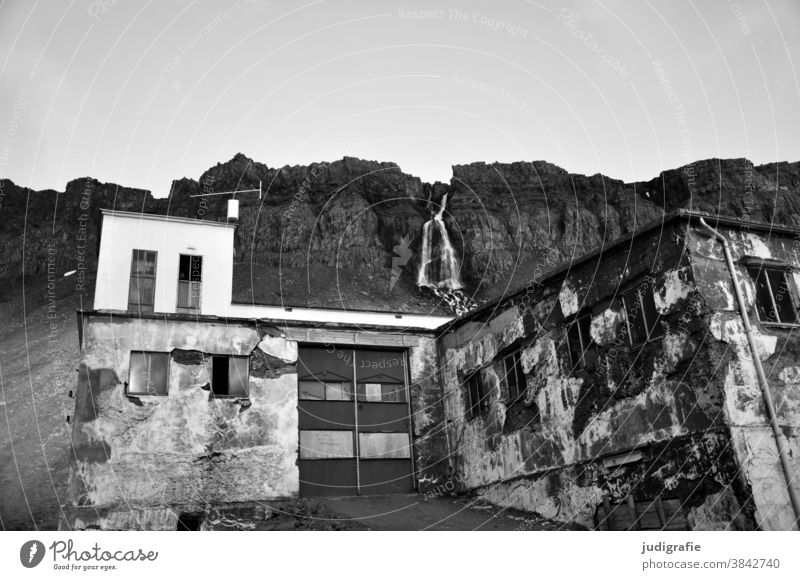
(379, 476)
(326, 415)
(327, 477)
(332, 424)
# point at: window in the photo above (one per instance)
(641, 315)
(579, 340)
(477, 397)
(229, 376)
(775, 292)
(190, 276)
(513, 377)
(148, 373)
(142, 287)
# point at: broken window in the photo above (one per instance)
(774, 294)
(190, 276)
(142, 287)
(642, 317)
(513, 378)
(148, 373)
(477, 395)
(582, 352)
(229, 376)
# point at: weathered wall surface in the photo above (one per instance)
(779, 350)
(664, 399)
(427, 419)
(151, 457)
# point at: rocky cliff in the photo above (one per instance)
(343, 221)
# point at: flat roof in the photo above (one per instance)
(165, 218)
(279, 322)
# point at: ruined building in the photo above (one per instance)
(620, 392)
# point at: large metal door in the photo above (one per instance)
(354, 422)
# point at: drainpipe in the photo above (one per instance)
(762, 378)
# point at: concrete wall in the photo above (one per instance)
(664, 400)
(779, 349)
(122, 233)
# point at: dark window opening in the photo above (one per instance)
(190, 278)
(229, 376)
(513, 377)
(190, 522)
(774, 294)
(148, 373)
(142, 287)
(652, 514)
(643, 320)
(582, 350)
(477, 396)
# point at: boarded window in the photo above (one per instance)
(582, 351)
(775, 291)
(642, 318)
(513, 378)
(383, 446)
(477, 396)
(148, 373)
(142, 287)
(326, 444)
(229, 376)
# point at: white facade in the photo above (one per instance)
(124, 232)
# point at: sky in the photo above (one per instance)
(141, 93)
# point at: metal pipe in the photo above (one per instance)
(762, 378)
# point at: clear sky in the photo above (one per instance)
(140, 93)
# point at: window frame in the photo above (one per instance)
(190, 308)
(128, 393)
(246, 381)
(760, 266)
(651, 334)
(574, 321)
(481, 406)
(504, 359)
(137, 306)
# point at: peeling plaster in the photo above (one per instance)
(672, 290)
(568, 298)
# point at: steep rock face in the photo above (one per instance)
(505, 220)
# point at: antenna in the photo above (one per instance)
(259, 190)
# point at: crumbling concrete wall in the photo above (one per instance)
(549, 452)
(140, 461)
(427, 415)
(779, 350)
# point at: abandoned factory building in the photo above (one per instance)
(652, 385)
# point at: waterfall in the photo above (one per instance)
(439, 266)
(438, 270)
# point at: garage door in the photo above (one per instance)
(354, 422)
